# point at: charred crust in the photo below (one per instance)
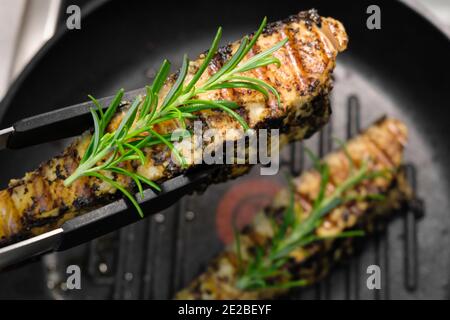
(63, 208)
(95, 187)
(59, 173)
(224, 53)
(313, 85)
(243, 112)
(310, 18)
(14, 238)
(82, 202)
(173, 77)
(36, 223)
(172, 168)
(159, 156)
(31, 208)
(272, 123)
(72, 152)
(314, 116)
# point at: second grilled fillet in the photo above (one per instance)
(383, 145)
(39, 201)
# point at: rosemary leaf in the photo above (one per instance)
(119, 187)
(106, 119)
(211, 52)
(177, 88)
(227, 67)
(294, 232)
(218, 105)
(161, 77)
(136, 130)
(261, 83)
(241, 85)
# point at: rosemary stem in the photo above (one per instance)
(136, 128)
(185, 97)
(137, 132)
(336, 195)
(83, 168)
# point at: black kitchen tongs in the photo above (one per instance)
(69, 122)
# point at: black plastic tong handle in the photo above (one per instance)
(107, 218)
(58, 124)
(121, 213)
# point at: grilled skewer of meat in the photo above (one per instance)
(383, 143)
(39, 201)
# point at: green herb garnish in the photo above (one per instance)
(267, 264)
(107, 151)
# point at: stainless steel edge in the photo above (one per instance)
(25, 249)
(38, 26)
(4, 135)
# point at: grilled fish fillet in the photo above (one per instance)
(39, 201)
(383, 143)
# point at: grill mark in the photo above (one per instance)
(397, 133)
(322, 50)
(265, 74)
(294, 58)
(388, 127)
(330, 187)
(378, 151)
(311, 250)
(43, 201)
(363, 218)
(261, 74)
(279, 81)
(83, 191)
(328, 33)
(229, 93)
(217, 62)
(381, 152)
(373, 151)
(14, 221)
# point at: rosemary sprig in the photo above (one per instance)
(108, 151)
(263, 270)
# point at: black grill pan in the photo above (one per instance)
(399, 70)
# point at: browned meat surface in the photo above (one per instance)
(39, 201)
(383, 145)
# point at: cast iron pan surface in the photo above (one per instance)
(400, 70)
